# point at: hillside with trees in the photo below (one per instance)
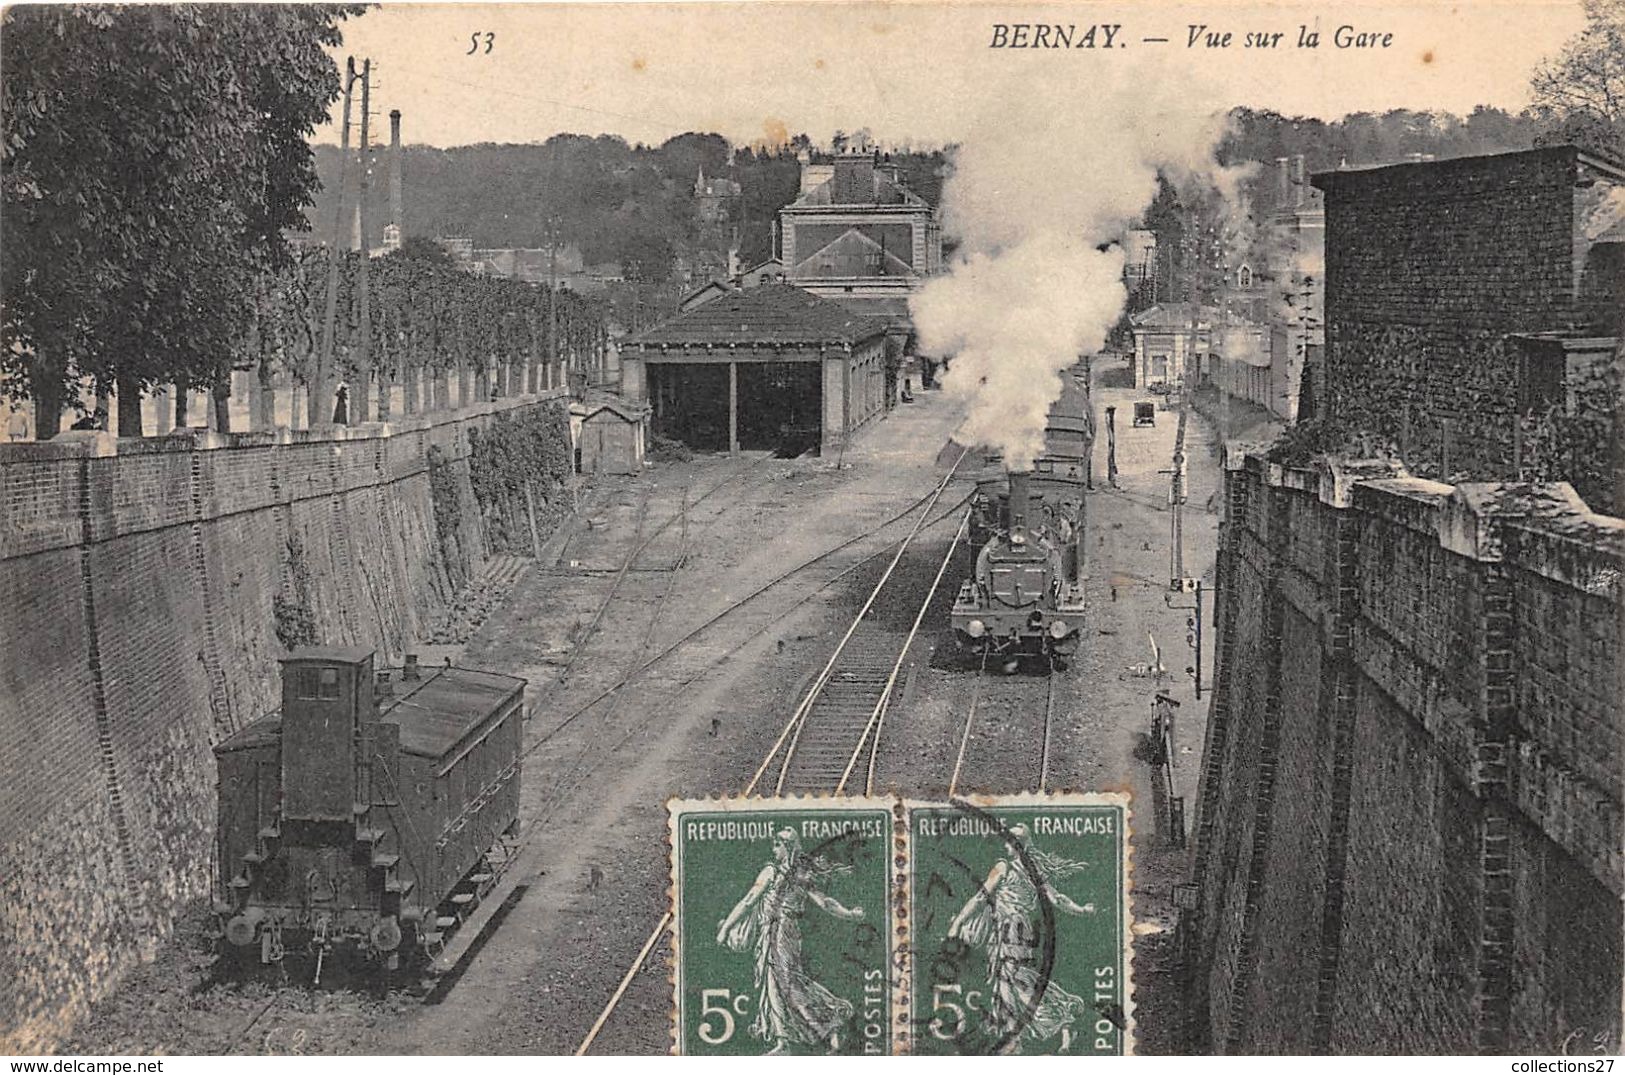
(615, 201)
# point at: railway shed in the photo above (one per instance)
(772, 367)
(612, 437)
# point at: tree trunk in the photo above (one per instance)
(129, 407)
(386, 383)
(361, 405)
(409, 388)
(465, 384)
(182, 398)
(220, 392)
(46, 385)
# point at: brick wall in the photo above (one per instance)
(138, 587)
(1409, 826)
(1429, 268)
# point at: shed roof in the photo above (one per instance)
(774, 313)
(629, 412)
(336, 654)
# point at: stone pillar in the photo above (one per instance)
(834, 418)
(633, 384)
(164, 410)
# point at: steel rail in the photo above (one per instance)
(970, 720)
(897, 667)
(799, 717)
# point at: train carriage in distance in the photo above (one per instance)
(367, 812)
(1060, 475)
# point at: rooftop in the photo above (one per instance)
(1379, 173)
(774, 313)
(1172, 315)
(434, 712)
(846, 188)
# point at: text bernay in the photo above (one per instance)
(1048, 35)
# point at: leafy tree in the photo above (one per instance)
(152, 158)
(418, 248)
(1583, 88)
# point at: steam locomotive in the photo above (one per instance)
(1025, 597)
(362, 817)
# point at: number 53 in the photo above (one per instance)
(474, 42)
(719, 1034)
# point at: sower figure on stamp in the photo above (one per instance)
(793, 1009)
(1003, 916)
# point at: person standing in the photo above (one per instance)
(793, 1008)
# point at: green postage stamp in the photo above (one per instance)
(982, 926)
(1019, 926)
(782, 935)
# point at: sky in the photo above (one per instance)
(910, 72)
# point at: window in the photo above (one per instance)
(1244, 278)
(319, 683)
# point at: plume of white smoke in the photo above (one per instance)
(1041, 192)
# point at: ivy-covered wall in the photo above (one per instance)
(147, 590)
(517, 469)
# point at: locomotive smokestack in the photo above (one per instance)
(1019, 506)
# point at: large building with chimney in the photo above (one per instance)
(858, 235)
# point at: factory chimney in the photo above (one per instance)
(395, 174)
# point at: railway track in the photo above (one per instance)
(1006, 737)
(828, 735)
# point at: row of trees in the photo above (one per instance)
(427, 322)
(155, 159)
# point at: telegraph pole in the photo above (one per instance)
(1176, 500)
(321, 390)
(364, 351)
